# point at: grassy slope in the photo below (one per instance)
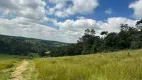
(112, 66)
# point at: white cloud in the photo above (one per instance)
(137, 7)
(83, 6)
(28, 9)
(10, 27)
(64, 9)
(29, 14)
(69, 30)
(113, 24)
(75, 28)
(78, 24)
(108, 11)
(61, 14)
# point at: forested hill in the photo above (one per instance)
(25, 46)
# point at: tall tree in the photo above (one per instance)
(139, 24)
(104, 33)
(93, 32)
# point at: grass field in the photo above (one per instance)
(102, 66)
(7, 62)
(110, 66)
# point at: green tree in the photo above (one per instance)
(104, 33)
(139, 24)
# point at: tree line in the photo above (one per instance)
(128, 38)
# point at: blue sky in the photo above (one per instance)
(65, 20)
(120, 8)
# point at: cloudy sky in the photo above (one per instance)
(65, 20)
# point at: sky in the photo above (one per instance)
(65, 20)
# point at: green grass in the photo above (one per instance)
(30, 72)
(7, 62)
(110, 66)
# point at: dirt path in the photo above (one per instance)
(17, 74)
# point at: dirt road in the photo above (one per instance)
(17, 74)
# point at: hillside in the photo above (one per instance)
(103, 66)
(111, 66)
(23, 46)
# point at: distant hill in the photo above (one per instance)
(24, 46)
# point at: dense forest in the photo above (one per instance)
(25, 46)
(128, 38)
